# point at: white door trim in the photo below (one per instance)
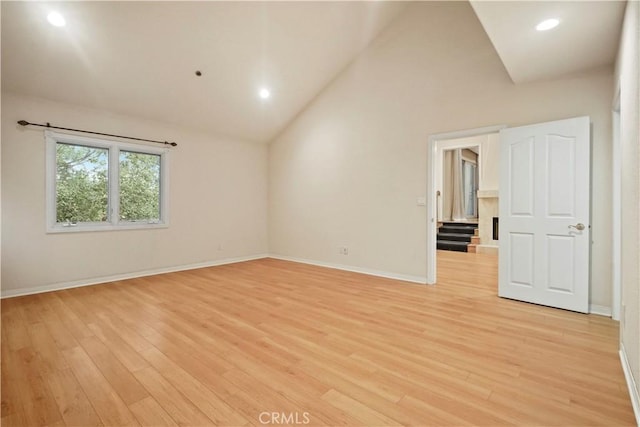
(616, 194)
(431, 190)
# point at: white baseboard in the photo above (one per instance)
(593, 309)
(600, 310)
(405, 277)
(98, 280)
(634, 393)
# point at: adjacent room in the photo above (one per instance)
(320, 213)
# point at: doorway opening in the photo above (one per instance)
(457, 193)
(478, 188)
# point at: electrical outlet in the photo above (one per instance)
(343, 250)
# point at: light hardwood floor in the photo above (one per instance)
(224, 345)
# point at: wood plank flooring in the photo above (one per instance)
(271, 342)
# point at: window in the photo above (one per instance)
(95, 184)
(469, 183)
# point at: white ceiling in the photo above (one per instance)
(587, 37)
(140, 58)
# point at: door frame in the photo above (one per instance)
(431, 190)
(616, 203)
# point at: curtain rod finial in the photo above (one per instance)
(23, 122)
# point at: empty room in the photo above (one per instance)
(359, 213)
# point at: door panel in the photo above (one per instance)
(560, 271)
(561, 176)
(521, 259)
(544, 200)
(521, 154)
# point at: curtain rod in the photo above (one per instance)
(48, 125)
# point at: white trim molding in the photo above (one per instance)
(106, 279)
(600, 310)
(388, 275)
(634, 393)
(10, 293)
(113, 150)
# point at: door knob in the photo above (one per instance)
(579, 226)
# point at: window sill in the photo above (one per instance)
(80, 228)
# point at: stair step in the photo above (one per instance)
(460, 237)
(475, 240)
(461, 224)
(455, 229)
(452, 245)
(471, 247)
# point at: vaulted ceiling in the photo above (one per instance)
(141, 58)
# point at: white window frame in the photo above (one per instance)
(114, 148)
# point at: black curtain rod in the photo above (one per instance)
(48, 125)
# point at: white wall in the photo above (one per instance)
(628, 81)
(348, 170)
(490, 162)
(218, 196)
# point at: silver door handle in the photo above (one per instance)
(579, 226)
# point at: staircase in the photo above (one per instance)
(458, 236)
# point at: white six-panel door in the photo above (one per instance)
(544, 214)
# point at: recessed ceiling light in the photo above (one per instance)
(264, 93)
(547, 24)
(56, 19)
